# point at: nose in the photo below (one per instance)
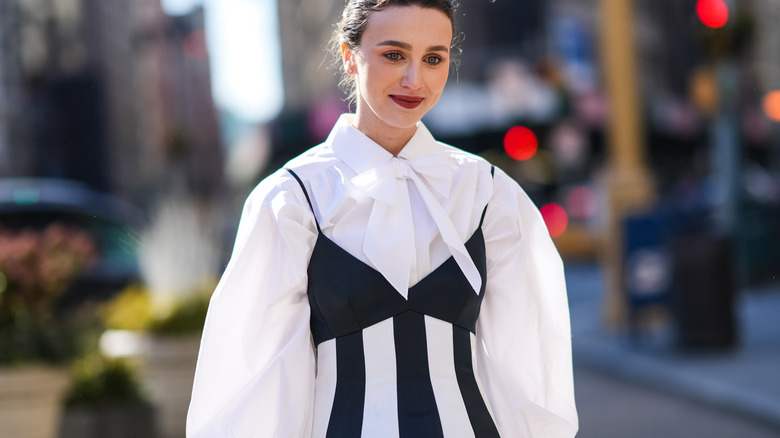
(412, 77)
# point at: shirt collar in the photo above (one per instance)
(361, 153)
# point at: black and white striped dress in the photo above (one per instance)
(390, 366)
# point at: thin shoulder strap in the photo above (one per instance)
(306, 193)
(492, 175)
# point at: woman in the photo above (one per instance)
(384, 284)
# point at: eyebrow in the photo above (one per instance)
(407, 46)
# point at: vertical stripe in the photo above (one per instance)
(454, 418)
(480, 418)
(380, 416)
(325, 386)
(417, 412)
(346, 416)
(475, 366)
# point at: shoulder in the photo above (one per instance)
(280, 191)
(511, 208)
(469, 169)
(508, 202)
(475, 165)
(277, 206)
(313, 162)
(282, 186)
(507, 190)
(465, 159)
(272, 196)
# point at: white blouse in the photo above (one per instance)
(403, 216)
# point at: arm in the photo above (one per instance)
(255, 372)
(523, 331)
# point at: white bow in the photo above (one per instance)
(390, 251)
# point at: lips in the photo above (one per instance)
(408, 102)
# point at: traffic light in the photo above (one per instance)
(712, 13)
(520, 143)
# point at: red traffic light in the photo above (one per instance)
(713, 13)
(520, 143)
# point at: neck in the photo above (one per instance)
(391, 138)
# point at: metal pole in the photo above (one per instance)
(628, 183)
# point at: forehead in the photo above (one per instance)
(410, 24)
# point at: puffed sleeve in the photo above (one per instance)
(255, 371)
(523, 331)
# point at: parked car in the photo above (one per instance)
(114, 224)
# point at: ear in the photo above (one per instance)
(348, 58)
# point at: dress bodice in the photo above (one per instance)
(346, 295)
(347, 298)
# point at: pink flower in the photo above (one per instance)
(39, 265)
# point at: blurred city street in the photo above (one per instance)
(656, 390)
(646, 132)
(610, 407)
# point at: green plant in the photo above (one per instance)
(130, 309)
(35, 268)
(187, 317)
(133, 309)
(97, 380)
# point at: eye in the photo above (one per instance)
(433, 60)
(393, 56)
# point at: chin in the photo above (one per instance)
(405, 123)
(404, 118)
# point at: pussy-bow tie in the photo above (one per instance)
(389, 240)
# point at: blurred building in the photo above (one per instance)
(307, 65)
(5, 83)
(768, 43)
(115, 94)
(178, 117)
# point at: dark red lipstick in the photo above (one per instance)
(408, 102)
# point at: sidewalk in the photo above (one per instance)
(744, 381)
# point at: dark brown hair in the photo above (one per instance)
(354, 20)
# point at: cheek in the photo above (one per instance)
(383, 76)
(374, 78)
(439, 80)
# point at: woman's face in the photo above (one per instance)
(401, 66)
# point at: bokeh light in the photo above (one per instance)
(772, 105)
(568, 143)
(704, 90)
(712, 13)
(581, 203)
(555, 218)
(520, 143)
